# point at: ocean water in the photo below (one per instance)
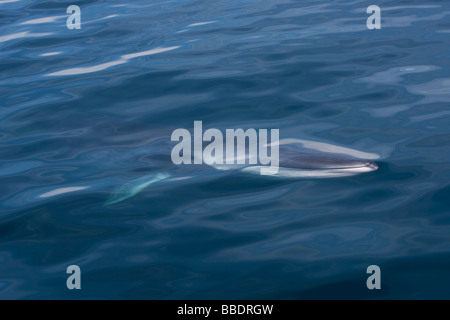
(86, 111)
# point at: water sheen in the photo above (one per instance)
(84, 112)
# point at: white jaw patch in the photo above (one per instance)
(363, 167)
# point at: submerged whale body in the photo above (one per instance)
(298, 159)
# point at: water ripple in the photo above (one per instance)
(87, 113)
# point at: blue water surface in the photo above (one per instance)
(83, 112)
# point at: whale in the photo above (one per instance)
(299, 159)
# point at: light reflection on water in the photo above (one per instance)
(84, 112)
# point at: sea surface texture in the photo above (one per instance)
(86, 178)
